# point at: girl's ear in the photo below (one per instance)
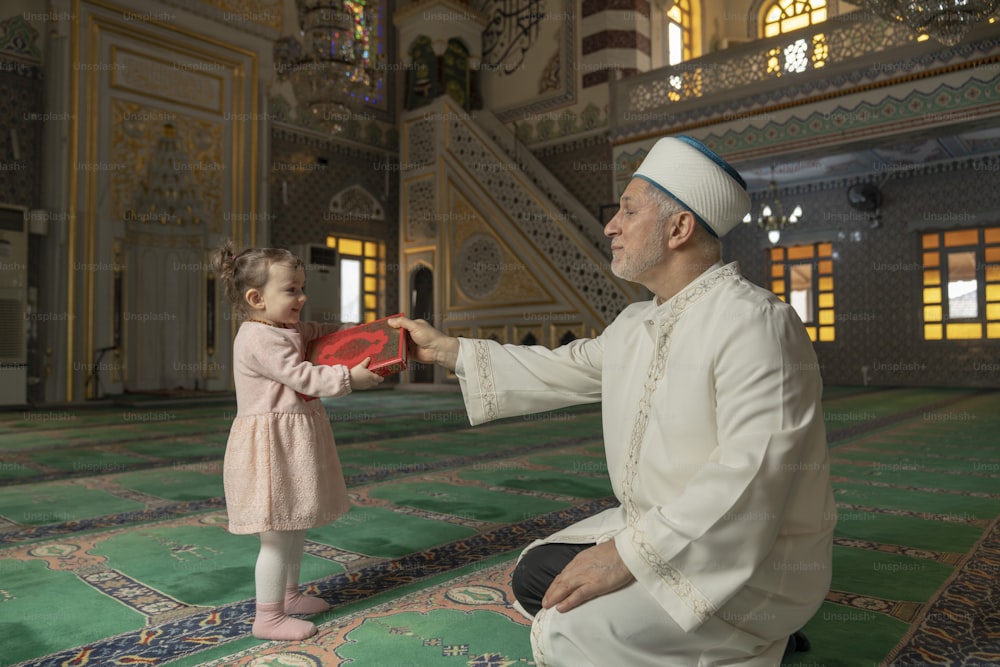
(254, 298)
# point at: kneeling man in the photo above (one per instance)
(720, 549)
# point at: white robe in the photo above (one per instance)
(716, 449)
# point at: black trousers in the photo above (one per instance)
(536, 570)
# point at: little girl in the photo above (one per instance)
(281, 471)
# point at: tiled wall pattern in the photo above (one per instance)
(23, 121)
(878, 278)
(585, 168)
(306, 173)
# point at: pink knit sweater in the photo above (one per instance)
(281, 469)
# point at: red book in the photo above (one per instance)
(385, 345)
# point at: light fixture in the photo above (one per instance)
(772, 218)
(336, 66)
(947, 21)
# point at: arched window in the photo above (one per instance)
(787, 15)
(675, 32)
(679, 27)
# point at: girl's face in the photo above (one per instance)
(282, 298)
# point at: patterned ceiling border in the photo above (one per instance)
(974, 56)
(362, 127)
(295, 134)
(971, 102)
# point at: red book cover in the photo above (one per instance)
(385, 345)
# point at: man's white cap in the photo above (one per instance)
(690, 173)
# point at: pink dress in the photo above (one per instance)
(281, 470)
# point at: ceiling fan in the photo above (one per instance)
(867, 197)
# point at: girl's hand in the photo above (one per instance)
(362, 378)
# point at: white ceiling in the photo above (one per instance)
(875, 161)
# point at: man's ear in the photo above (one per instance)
(682, 228)
(254, 298)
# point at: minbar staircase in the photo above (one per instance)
(515, 256)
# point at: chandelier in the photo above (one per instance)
(772, 218)
(947, 21)
(336, 67)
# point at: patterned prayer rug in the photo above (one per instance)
(113, 548)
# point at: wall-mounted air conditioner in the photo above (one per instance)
(322, 283)
(14, 316)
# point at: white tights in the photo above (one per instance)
(278, 563)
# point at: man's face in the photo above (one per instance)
(638, 245)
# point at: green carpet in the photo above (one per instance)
(117, 513)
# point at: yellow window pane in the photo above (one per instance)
(993, 311)
(674, 13)
(930, 241)
(991, 235)
(932, 332)
(773, 14)
(961, 237)
(777, 254)
(331, 241)
(371, 266)
(992, 273)
(777, 270)
(993, 330)
(932, 259)
(826, 317)
(371, 249)
(826, 284)
(801, 252)
(825, 267)
(992, 255)
(782, 297)
(933, 313)
(932, 295)
(932, 277)
(370, 316)
(350, 246)
(964, 331)
(826, 334)
(819, 16)
(812, 333)
(370, 301)
(778, 286)
(993, 292)
(824, 250)
(826, 300)
(794, 23)
(371, 284)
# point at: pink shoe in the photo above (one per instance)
(271, 622)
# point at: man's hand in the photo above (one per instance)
(592, 573)
(430, 346)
